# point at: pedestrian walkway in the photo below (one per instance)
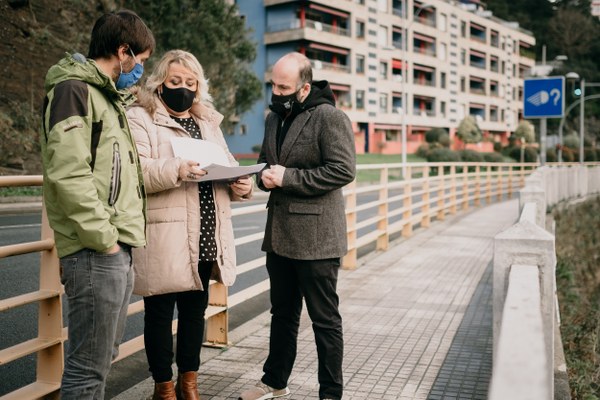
(417, 322)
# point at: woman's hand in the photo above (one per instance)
(242, 186)
(189, 171)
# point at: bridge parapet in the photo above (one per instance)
(524, 299)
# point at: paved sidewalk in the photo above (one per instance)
(417, 322)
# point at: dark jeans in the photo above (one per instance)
(316, 281)
(98, 288)
(158, 337)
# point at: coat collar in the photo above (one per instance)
(291, 136)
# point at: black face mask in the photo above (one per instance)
(283, 104)
(178, 99)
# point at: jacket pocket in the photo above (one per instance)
(115, 176)
(305, 208)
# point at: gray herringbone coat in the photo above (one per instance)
(306, 218)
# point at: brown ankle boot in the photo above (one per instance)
(164, 391)
(187, 386)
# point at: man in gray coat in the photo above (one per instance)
(309, 146)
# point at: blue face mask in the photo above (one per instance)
(128, 79)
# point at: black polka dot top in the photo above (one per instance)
(208, 244)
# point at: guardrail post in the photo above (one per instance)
(217, 326)
(465, 189)
(526, 243)
(477, 191)
(488, 185)
(350, 259)
(509, 189)
(426, 220)
(499, 184)
(50, 361)
(453, 189)
(382, 210)
(533, 193)
(407, 205)
(441, 214)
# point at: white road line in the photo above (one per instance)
(246, 228)
(20, 226)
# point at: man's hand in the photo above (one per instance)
(115, 249)
(273, 177)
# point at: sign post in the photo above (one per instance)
(544, 98)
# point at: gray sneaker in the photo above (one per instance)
(263, 392)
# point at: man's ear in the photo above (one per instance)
(305, 91)
(122, 52)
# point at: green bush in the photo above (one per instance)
(571, 141)
(256, 148)
(529, 154)
(497, 147)
(493, 157)
(589, 154)
(568, 155)
(443, 154)
(423, 150)
(471, 156)
(551, 155)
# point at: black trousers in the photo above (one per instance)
(158, 337)
(316, 281)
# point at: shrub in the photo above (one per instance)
(433, 135)
(497, 147)
(551, 155)
(423, 151)
(571, 141)
(529, 154)
(443, 154)
(493, 157)
(589, 154)
(568, 155)
(256, 148)
(471, 156)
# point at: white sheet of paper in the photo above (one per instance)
(202, 151)
(212, 158)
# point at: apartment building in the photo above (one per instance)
(458, 60)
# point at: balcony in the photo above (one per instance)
(423, 44)
(423, 75)
(423, 106)
(477, 33)
(316, 25)
(476, 59)
(476, 85)
(425, 16)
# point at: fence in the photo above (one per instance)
(525, 314)
(380, 204)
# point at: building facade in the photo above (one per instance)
(458, 60)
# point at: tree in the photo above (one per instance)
(468, 131)
(216, 34)
(525, 131)
(572, 32)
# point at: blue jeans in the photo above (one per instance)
(98, 288)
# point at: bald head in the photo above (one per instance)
(292, 73)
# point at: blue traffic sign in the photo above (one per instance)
(544, 97)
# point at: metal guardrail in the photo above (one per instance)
(429, 191)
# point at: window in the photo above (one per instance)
(360, 64)
(463, 56)
(382, 5)
(382, 36)
(443, 80)
(442, 22)
(442, 52)
(360, 99)
(383, 70)
(360, 29)
(443, 108)
(462, 83)
(463, 29)
(383, 103)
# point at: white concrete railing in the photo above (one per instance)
(524, 285)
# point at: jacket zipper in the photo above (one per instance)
(115, 178)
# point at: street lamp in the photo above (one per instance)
(404, 70)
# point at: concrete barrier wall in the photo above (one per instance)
(525, 316)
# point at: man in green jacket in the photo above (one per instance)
(94, 193)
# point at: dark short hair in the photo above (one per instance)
(119, 28)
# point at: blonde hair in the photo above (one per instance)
(147, 94)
